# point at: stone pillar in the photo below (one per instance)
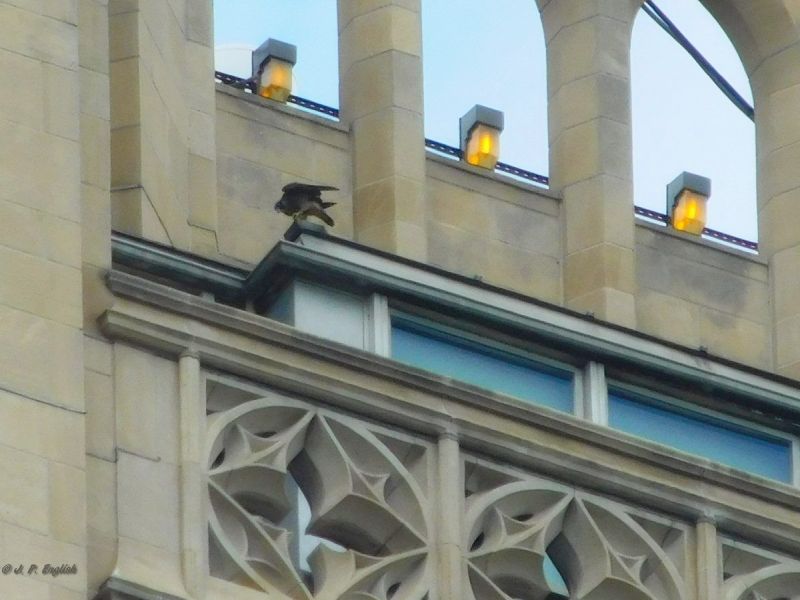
(101, 458)
(194, 537)
(450, 510)
(380, 74)
(776, 89)
(588, 44)
(163, 149)
(709, 577)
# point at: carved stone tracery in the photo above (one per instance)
(515, 528)
(754, 574)
(364, 501)
(372, 536)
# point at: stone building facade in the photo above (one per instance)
(185, 387)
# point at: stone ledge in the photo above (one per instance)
(700, 241)
(524, 435)
(488, 175)
(287, 109)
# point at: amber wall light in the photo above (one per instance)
(480, 136)
(272, 69)
(687, 200)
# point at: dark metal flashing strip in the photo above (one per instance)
(119, 589)
(185, 269)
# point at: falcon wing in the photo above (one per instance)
(309, 188)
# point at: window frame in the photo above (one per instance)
(592, 375)
(658, 399)
(454, 327)
(590, 383)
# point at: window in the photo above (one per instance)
(455, 354)
(695, 432)
(553, 377)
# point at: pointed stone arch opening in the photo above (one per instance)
(681, 121)
(493, 55)
(766, 36)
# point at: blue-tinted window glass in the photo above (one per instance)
(554, 579)
(699, 434)
(482, 366)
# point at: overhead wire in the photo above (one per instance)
(723, 84)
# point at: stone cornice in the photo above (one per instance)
(309, 252)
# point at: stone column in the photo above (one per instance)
(449, 513)
(588, 44)
(163, 149)
(708, 560)
(776, 89)
(380, 74)
(194, 537)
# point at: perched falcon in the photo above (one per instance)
(301, 200)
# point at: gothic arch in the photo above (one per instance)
(777, 582)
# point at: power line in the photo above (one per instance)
(664, 22)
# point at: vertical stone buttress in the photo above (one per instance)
(95, 127)
(709, 563)
(772, 59)
(588, 44)
(451, 573)
(380, 73)
(163, 149)
(42, 409)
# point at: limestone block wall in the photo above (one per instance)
(95, 244)
(148, 504)
(162, 112)
(700, 294)
(42, 404)
(260, 148)
(494, 229)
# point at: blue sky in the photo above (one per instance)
(492, 53)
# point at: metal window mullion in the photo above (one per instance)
(595, 393)
(377, 325)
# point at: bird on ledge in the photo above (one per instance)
(301, 200)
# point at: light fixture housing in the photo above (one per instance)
(687, 202)
(480, 136)
(272, 64)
